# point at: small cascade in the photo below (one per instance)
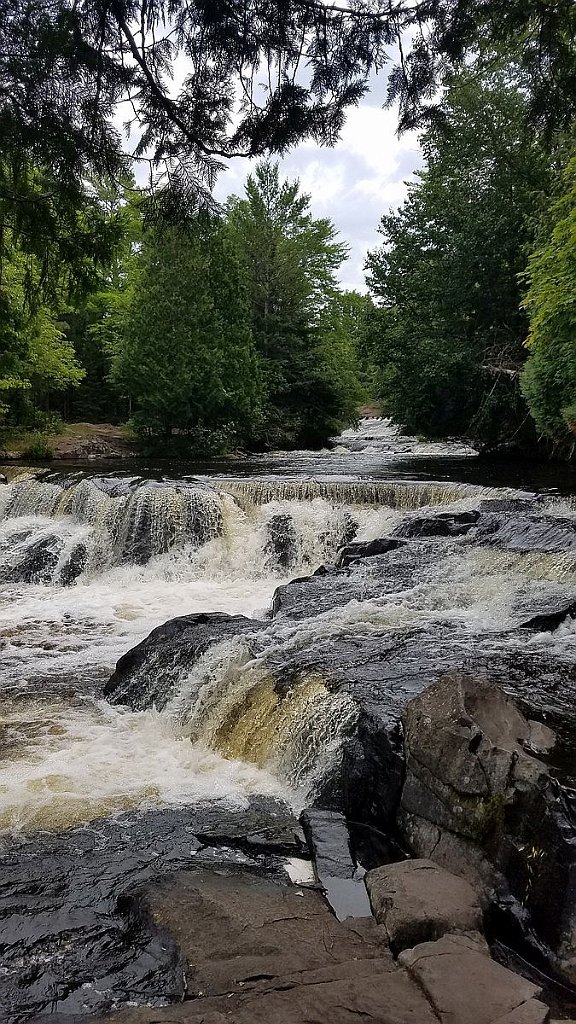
(392, 494)
(123, 521)
(232, 702)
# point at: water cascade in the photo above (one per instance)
(392, 494)
(233, 702)
(92, 564)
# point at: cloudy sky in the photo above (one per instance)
(353, 184)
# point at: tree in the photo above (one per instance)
(95, 324)
(35, 356)
(549, 377)
(290, 261)
(262, 75)
(448, 332)
(351, 314)
(187, 359)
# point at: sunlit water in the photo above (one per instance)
(69, 756)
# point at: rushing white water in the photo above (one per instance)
(89, 566)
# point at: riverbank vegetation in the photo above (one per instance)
(227, 330)
(128, 296)
(472, 330)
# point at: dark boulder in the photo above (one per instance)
(476, 802)
(441, 524)
(74, 565)
(37, 563)
(549, 620)
(353, 553)
(417, 901)
(525, 533)
(281, 541)
(369, 574)
(149, 673)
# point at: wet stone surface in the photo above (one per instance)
(76, 935)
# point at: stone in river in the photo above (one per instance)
(417, 901)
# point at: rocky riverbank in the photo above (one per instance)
(415, 694)
(200, 914)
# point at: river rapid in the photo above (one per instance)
(92, 559)
(69, 756)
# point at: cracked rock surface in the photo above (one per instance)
(256, 952)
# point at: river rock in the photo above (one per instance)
(254, 952)
(281, 543)
(441, 524)
(74, 565)
(37, 563)
(90, 942)
(549, 620)
(478, 803)
(464, 985)
(353, 553)
(417, 901)
(149, 673)
(522, 532)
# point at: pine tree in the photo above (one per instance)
(187, 359)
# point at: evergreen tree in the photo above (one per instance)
(291, 261)
(95, 325)
(187, 359)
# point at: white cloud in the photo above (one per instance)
(353, 184)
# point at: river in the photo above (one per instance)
(93, 557)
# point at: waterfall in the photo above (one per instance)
(54, 528)
(112, 520)
(232, 702)
(392, 494)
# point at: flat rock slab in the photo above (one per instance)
(466, 987)
(257, 952)
(76, 937)
(416, 901)
(342, 880)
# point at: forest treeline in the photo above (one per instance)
(227, 330)
(473, 327)
(211, 328)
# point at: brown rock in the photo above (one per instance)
(477, 802)
(417, 901)
(255, 952)
(466, 987)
